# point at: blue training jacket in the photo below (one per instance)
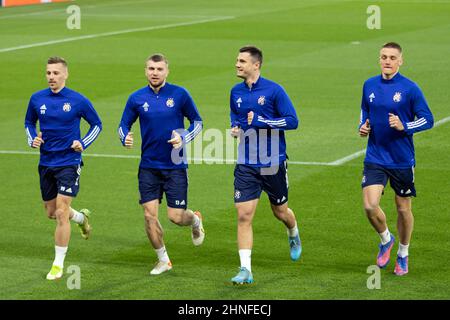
(262, 143)
(59, 116)
(387, 146)
(159, 114)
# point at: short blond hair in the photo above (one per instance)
(55, 60)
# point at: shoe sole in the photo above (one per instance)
(57, 278)
(157, 274)
(241, 283)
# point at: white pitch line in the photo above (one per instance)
(114, 33)
(348, 158)
(190, 160)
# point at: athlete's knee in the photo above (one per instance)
(50, 212)
(280, 212)
(244, 216)
(61, 214)
(404, 211)
(371, 207)
(150, 216)
(175, 217)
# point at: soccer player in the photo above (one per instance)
(161, 108)
(59, 111)
(260, 111)
(393, 108)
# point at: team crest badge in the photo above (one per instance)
(170, 103)
(397, 97)
(67, 107)
(145, 106)
(261, 100)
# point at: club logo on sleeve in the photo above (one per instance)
(262, 100)
(371, 97)
(239, 101)
(170, 103)
(145, 106)
(397, 97)
(67, 107)
(43, 108)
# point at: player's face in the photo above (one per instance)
(245, 66)
(390, 61)
(156, 73)
(56, 76)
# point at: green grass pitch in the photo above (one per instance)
(321, 52)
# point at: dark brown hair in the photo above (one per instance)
(393, 45)
(157, 57)
(254, 52)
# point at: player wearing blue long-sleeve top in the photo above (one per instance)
(161, 108)
(59, 110)
(260, 111)
(393, 108)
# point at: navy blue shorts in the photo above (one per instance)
(173, 182)
(63, 180)
(249, 182)
(401, 180)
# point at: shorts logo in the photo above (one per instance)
(145, 106)
(364, 179)
(397, 97)
(43, 108)
(180, 203)
(68, 190)
(262, 100)
(282, 199)
(67, 107)
(237, 194)
(170, 103)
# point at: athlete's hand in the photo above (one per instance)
(37, 141)
(129, 140)
(176, 141)
(364, 130)
(235, 132)
(250, 116)
(395, 122)
(77, 146)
